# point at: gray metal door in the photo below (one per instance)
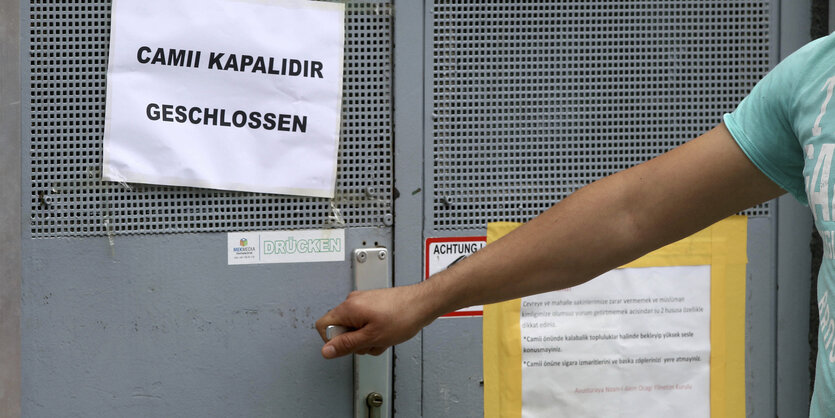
(526, 101)
(500, 108)
(128, 305)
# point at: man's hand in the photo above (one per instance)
(379, 318)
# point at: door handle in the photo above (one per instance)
(372, 374)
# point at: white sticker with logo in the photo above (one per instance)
(304, 246)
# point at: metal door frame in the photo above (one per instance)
(409, 190)
(10, 202)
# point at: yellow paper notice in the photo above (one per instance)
(663, 331)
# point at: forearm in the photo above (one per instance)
(583, 236)
(608, 224)
(560, 248)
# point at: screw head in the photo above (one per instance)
(382, 255)
(362, 256)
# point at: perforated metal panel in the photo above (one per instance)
(533, 99)
(68, 49)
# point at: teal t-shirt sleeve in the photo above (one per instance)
(762, 126)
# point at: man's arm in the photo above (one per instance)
(600, 227)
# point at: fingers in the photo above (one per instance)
(346, 315)
(330, 351)
(377, 320)
(330, 326)
(322, 325)
(350, 342)
(336, 316)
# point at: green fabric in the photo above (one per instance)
(786, 126)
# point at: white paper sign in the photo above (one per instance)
(303, 246)
(441, 253)
(225, 94)
(631, 343)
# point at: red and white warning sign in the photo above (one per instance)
(444, 252)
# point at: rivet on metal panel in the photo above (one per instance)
(369, 191)
(382, 255)
(448, 200)
(362, 256)
(388, 219)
